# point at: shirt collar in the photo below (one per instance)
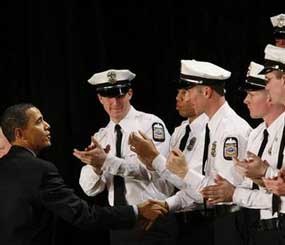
(276, 125)
(218, 116)
(198, 123)
(125, 122)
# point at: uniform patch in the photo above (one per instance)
(191, 144)
(158, 133)
(213, 149)
(230, 148)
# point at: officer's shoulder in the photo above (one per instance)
(144, 116)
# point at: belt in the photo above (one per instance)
(211, 212)
(276, 224)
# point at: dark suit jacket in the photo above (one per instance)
(32, 193)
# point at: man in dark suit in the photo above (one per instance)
(33, 193)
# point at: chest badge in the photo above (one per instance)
(214, 149)
(191, 144)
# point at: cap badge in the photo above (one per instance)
(112, 77)
(281, 21)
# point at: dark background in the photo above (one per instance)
(49, 50)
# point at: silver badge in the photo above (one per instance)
(213, 149)
(191, 144)
(112, 77)
(281, 21)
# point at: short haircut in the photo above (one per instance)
(14, 117)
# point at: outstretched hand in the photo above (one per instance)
(149, 211)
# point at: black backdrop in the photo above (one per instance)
(49, 50)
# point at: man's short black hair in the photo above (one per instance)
(14, 117)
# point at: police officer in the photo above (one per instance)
(278, 23)
(263, 141)
(188, 139)
(224, 137)
(116, 167)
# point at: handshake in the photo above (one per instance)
(149, 211)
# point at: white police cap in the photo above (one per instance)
(274, 59)
(203, 73)
(112, 83)
(278, 23)
(254, 80)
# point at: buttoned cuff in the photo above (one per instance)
(159, 163)
(174, 203)
(194, 179)
(271, 172)
(111, 164)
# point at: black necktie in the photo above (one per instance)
(205, 157)
(276, 200)
(119, 182)
(206, 148)
(184, 138)
(254, 214)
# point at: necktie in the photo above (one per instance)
(205, 157)
(206, 148)
(254, 214)
(119, 182)
(276, 201)
(184, 138)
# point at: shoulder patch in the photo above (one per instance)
(230, 148)
(158, 133)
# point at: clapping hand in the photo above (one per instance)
(144, 148)
(93, 155)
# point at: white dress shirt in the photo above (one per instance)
(261, 199)
(228, 133)
(194, 147)
(140, 183)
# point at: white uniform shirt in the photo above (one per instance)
(228, 135)
(140, 183)
(261, 199)
(194, 147)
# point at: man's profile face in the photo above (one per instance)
(36, 135)
(258, 103)
(183, 104)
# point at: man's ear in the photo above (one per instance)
(18, 132)
(208, 91)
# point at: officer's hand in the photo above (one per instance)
(149, 211)
(221, 191)
(94, 156)
(144, 148)
(176, 163)
(276, 185)
(253, 167)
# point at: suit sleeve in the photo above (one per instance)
(62, 201)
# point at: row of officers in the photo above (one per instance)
(215, 180)
(219, 179)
